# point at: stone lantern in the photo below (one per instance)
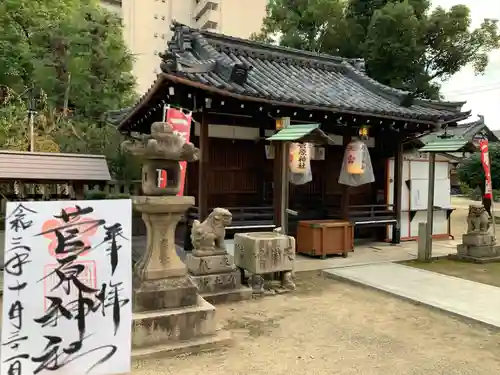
(167, 306)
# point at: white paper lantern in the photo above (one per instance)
(300, 157)
(355, 157)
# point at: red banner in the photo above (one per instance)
(485, 160)
(181, 123)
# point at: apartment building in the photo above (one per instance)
(147, 25)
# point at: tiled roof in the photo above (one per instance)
(302, 133)
(465, 130)
(452, 144)
(284, 75)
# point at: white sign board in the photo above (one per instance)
(67, 303)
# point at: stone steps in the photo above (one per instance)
(218, 340)
(240, 294)
(159, 327)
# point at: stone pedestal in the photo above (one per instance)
(169, 315)
(161, 216)
(263, 253)
(217, 278)
(478, 247)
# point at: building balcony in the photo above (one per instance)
(206, 11)
(203, 5)
(209, 20)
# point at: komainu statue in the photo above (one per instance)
(478, 219)
(208, 237)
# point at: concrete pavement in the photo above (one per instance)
(464, 298)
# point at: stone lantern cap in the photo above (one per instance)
(163, 144)
(164, 153)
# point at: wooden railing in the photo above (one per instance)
(117, 187)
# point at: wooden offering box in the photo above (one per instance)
(325, 237)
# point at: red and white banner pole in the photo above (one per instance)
(488, 186)
(181, 124)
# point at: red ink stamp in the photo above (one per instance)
(67, 291)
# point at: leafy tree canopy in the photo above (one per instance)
(471, 172)
(405, 44)
(70, 55)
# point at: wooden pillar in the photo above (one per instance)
(430, 206)
(277, 181)
(324, 180)
(398, 192)
(262, 159)
(204, 165)
(346, 190)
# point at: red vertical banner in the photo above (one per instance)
(485, 160)
(181, 123)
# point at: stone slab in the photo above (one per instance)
(482, 260)
(485, 251)
(264, 252)
(478, 239)
(209, 264)
(464, 298)
(241, 294)
(218, 340)
(158, 327)
(169, 293)
(222, 282)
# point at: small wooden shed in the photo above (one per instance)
(53, 168)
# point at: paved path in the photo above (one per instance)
(365, 253)
(465, 298)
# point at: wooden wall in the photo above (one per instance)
(241, 176)
(235, 175)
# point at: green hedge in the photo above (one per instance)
(98, 194)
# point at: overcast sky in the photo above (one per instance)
(482, 92)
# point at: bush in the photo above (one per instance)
(118, 196)
(496, 195)
(470, 171)
(466, 189)
(95, 195)
(99, 194)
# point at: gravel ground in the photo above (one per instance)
(328, 327)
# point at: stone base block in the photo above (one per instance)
(478, 239)
(221, 282)
(208, 252)
(484, 251)
(171, 349)
(173, 292)
(159, 327)
(466, 258)
(205, 265)
(241, 294)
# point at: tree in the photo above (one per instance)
(471, 172)
(71, 49)
(72, 52)
(405, 44)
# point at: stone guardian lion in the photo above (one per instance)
(208, 237)
(478, 219)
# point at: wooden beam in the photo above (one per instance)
(277, 181)
(346, 190)
(430, 206)
(398, 192)
(203, 168)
